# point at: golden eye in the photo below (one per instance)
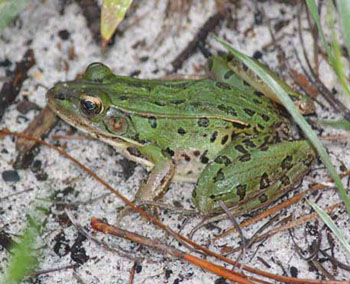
(91, 105)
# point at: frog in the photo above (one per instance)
(223, 133)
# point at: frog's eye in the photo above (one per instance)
(97, 72)
(91, 105)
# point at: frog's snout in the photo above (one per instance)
(56, 93)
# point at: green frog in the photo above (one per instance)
(223, 134)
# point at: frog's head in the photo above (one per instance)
(86, 105)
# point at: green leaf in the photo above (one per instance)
(288, 104)
(24, 257)
(330, 224)
(113, 12)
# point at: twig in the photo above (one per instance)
(167, 250)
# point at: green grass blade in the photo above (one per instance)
(314, 13)
(344, 11)
(337, 60)
(9, 9)
(330, 224)
(343, 124)
(334, 51)
(288, 104)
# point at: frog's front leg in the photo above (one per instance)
(160, 176)
(158, 180)
(249, 174)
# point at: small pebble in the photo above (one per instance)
(10, 176)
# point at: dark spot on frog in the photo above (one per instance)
(123, 98)
(245, 158)
(168, 152)
(241, 149)
(309, 160)
(256, 101)
(179, 86)
(203, 122)
(241, 191)
(227, 109)
(219, 176)
(152, 121)
(261, 126)
(234, 135)
(137, 139)
(239, 125)
(189, 172)
(224, 140)
(177, 102)
(246, 83)
(186, 158)
(263, 198)
(222, 159)
(244, 67)
(259, 94)
(203, 158)
(213, 136)
(135, 84)
(228, 74)
(264, 181)
(249, 111)
(285, 180)
(181, 131)
(223, 85)
(287, 163)
(196, 153)
(264, 148)
(265, 117)
(249, 143)
(159, 103)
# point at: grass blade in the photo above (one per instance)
(330, 224)
(344, 11)
(288, 104)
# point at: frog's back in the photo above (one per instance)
(191, 99)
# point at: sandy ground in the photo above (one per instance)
(136, 49)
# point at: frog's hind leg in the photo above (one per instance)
(249, 174)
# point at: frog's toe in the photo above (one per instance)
(127, 210)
